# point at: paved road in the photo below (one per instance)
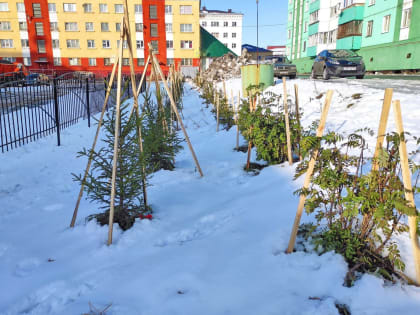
(405, 84)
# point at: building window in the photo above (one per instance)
(118, 27)
(215, 35)
(103, 8)
(369, 28)
(226, 44)
(89, 26)
(23, 26)
(168, 9)
(306, 26)
(27, 61)
(204, 23)
(332, 36)
(41, 46)
(57, 61)
(186, 28)
(10, 59)
(6, 43)
(186, 62)
(71, 26)
(39, 29)
(225, 24)
(155, 45)
(406, 18)
(214, 24)
(53, 26)
(140, 61)
(5, 26)
(36, 7)
(74, 61)
(106, 43)
(55, 43)
(24, 43)
(138, 8)
(153, 30)
(139, 27)
(107, 61)
(153, 12)
(233, 35)
(168, 27)
(314, 17)
(4, 6)
(104, 27)
(92, 62)
(90, 43)
(72, 43)
(51, 7)
(170, 44)
(304, 46)
(353, 28)
(139, 44)
(385, 23)
(119, 8)
(233, 45)
(186, 44)
(169, 61)
(185, 9)
(87, 7)
(234, 24)
(20, 6)
(69, 7)
(289, 34)
(125, 61)
(225, 35)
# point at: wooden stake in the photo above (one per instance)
(224, 91)
(286, 117)
(165, 83)
(309, 173)
(117, 129)
(143, 76)
(386, 106)
(251, 109)
(98, 129)
(135, 96)
(298, 119)
(406, 174)
(383, 121)
(217, 112)
(237, 120)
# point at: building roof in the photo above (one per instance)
(229, 11)
(251, 48)
(211, 46)
(275, 47)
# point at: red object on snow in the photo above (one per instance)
(148, 217)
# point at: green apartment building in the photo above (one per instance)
(385, 32)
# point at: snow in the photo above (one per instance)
(215, 246)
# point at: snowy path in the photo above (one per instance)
(215, 246)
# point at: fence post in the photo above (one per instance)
(56, 109)
(87, 101)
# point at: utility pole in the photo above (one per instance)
(258, 56)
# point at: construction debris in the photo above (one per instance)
(226, 67)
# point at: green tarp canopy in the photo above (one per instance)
(211, 46)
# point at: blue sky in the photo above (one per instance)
(272, 13)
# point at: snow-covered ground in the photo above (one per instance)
(216, 244)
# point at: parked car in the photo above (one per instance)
(283, 67)
(338, 63)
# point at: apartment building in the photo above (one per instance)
(226, 26)
(84, 35)
(385, 32)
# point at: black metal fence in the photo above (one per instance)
(35, 109)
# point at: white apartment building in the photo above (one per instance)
(226, 26)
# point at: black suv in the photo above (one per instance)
(283, 67)
(338, 63)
